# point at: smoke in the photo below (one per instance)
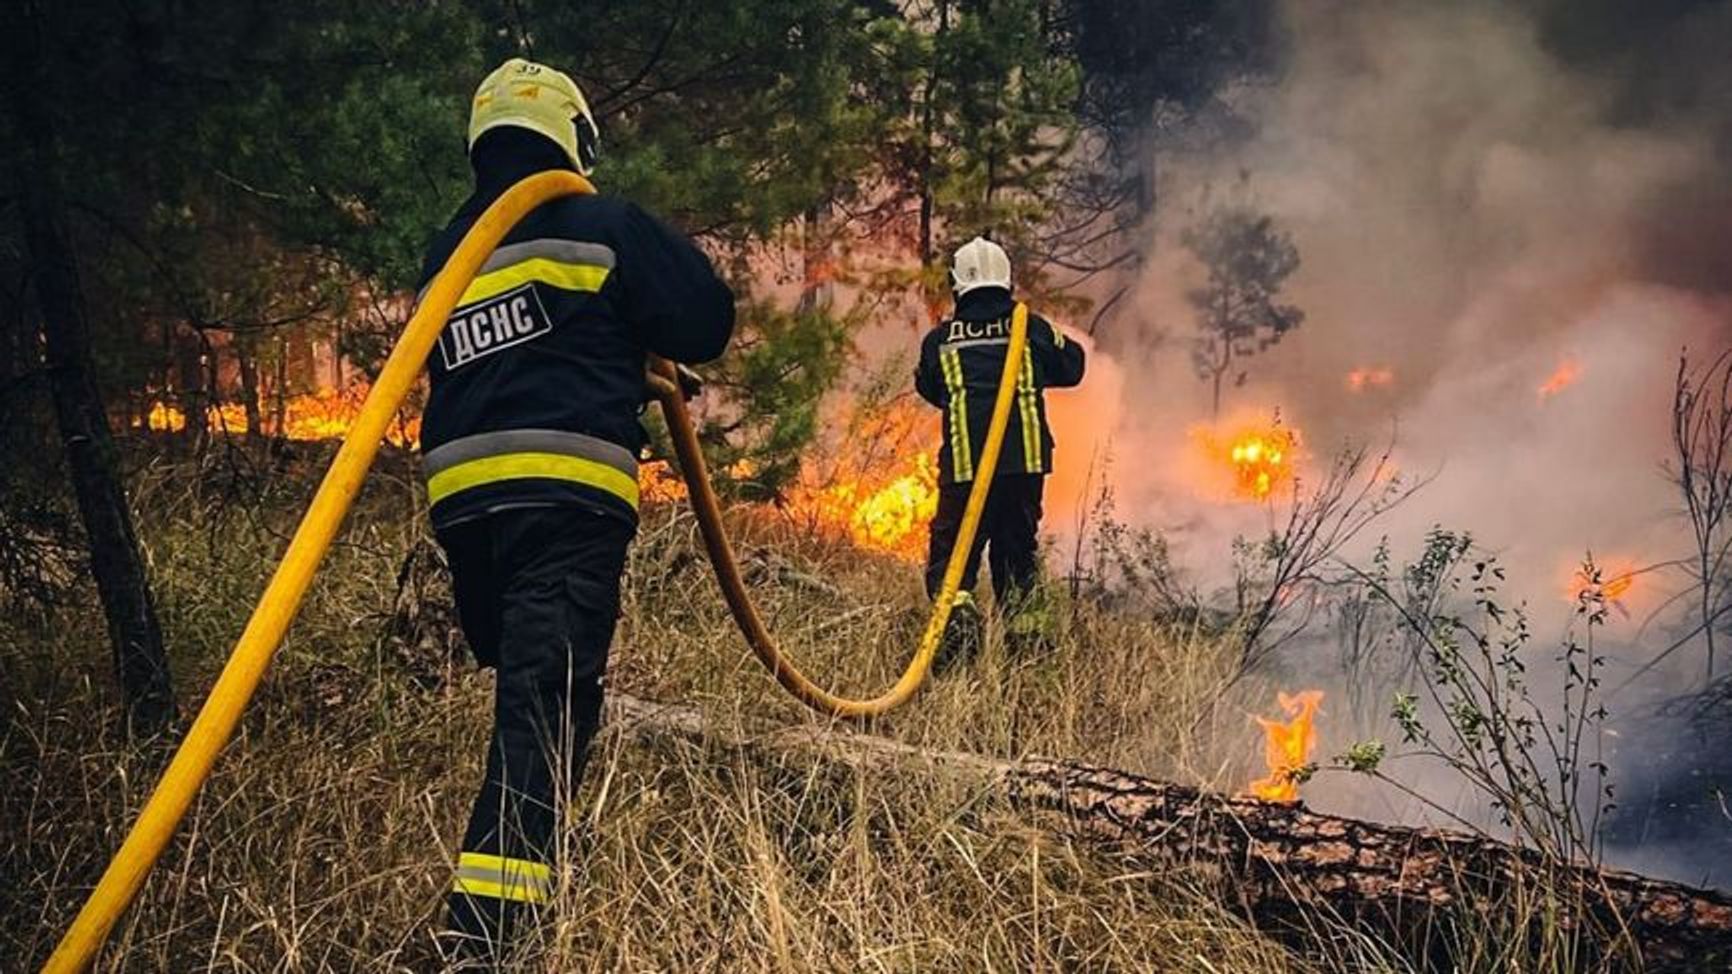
(1477, 214)
(1515, 215)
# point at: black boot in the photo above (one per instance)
(963, 635)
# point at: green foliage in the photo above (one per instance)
(1005, 97)
(1533, 757)
(1363, 757)
(258, 167)
(763, 400)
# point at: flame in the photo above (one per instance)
(1287, 746)
(1361, 379)
(875, 482)
(886, 512)
(881, 500)
(657, 483)
(164, 418)
(1259, 459)
(1616, 585)
(324, 415)
(1562, 377)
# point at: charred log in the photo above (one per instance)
(1282, 863)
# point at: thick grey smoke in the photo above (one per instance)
(1475, 214)
(1487, 197)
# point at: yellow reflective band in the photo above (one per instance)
(502, 878)
(961, 451)
(521, 466)
(497, 891)
(1026, 399)
(541, 270)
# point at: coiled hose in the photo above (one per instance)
(276, 608)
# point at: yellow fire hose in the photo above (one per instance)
(276, 608)
(709, 511)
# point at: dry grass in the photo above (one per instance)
(324, 840)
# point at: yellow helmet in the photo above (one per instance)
(541, 99)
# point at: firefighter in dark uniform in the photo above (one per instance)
(530, 441)
(961, 364)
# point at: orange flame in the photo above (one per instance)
(1562, 377)
(658, 483)
(1616, 584)
(1361, 379)
(324, 415)
(1287, 746)
(882, 512)
(1258, 460)
(881, 501)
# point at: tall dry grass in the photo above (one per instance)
(324, 840)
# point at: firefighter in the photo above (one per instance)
(961, 364)
(530, 439)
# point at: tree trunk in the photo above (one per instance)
(928, 127)
(1285, 866)
(140, 662)
(247, 365)
(280, 393)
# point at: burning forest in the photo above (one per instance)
(1354, 551)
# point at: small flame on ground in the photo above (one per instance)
(1562, 377)
(1362, 379)
(1287, 746)
(658, 483)
(324, 415)
(1260, 460)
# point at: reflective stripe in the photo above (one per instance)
(961, 451)
(1028, 401)
(481, 445)
(529, 466)
(977, 342)
(575, 252)
(503, 878)
(488, 458)
(536, 270)
(562, 251)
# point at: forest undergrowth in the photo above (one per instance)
(325, 839)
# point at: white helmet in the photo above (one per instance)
(979, 263)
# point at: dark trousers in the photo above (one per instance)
(1009, 533)
(538, 595)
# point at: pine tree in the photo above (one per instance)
(1238, 309)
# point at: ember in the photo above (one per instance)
(1359, 380)
(1287, 747)
(1564, 376)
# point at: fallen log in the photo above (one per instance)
(1282, 863)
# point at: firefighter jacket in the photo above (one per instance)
(961, 362)
(538, 377)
